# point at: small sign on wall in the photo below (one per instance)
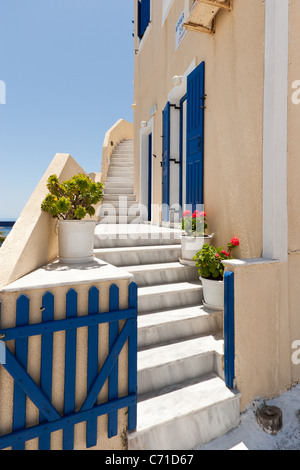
(180, 32)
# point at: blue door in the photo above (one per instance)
(166, 163)
(149, 175)
(195, 136)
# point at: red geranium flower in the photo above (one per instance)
(186, 214)
(235, 241)
(202, 214)
(225, 253)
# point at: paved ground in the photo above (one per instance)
(250, 436)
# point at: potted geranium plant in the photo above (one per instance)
(69, 202)
(211, 270)
(193, 237)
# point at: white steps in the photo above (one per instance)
(120, 182)
(182, 398)
(185, 415)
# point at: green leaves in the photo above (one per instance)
(72, 199)
(209, 262)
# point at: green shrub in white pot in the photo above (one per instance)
(70, 202)
(209, 261)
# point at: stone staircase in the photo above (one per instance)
(119, 205)
(182, 398)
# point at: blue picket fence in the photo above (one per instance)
(50, 419)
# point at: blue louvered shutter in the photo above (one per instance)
(195, 136)
(166, 163)
(143, 16)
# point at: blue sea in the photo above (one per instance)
(5, 227)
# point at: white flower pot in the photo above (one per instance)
(76, 241)
(213, 293)
(191, 245)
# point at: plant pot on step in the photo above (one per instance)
(213, 293)
(70, 202)
(190, 245)
(209, 261)
(76, 241)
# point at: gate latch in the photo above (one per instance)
(2, 353)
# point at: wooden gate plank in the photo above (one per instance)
(113, 376)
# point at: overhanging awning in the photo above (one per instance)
(203, 13)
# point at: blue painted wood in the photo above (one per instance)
(181, 143)
(70, 369)
(166, 164)
(229, 349)
(61, 325)
(132, 357)
(108, 365)
(50, 419)
(46, 361)
(92, 366)
(78, 417)
(25, 382)
(195, 137)
(113, 376)
(21, 354)
(149, 176)
(143, 16)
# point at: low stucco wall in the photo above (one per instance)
(33, 240)
(35, 315)
(262, 328)
(121, 130)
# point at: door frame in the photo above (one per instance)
(145, 132)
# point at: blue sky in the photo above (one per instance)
(68, 70)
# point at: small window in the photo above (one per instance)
(144, 7)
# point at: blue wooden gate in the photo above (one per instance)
(50, 419)
(195, 137)
(166, 163)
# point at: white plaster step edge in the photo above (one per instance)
(120, 198)
(177, 324)
(130, 256)
(182, 418)
(162, 273)
(119, 184)
(118, 190)
(169, 295)
(172, 363)
(120, 219)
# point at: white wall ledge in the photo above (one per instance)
(56, 274)
(238, 263)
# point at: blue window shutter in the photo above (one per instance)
(143, 16)
(166, 163)
(195, 136)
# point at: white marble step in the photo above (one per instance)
(121, 164)
(119, 235)
(185, 415)
(120, 219)
(118, 190)
(120, 198)
(167, 296)
(119, 179)
(177, 362)
(162, 273)
(161, 326)
(111, 204)
(137, 255)
(129, 210)
(119, 184)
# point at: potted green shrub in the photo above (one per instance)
(193, 237)
(211, 271)
(69, 202)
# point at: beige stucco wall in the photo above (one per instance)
(293, 168)
(262, 329)
(6, 383)
(234, 60)
(33, 240)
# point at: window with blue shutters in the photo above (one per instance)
(144, 11)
